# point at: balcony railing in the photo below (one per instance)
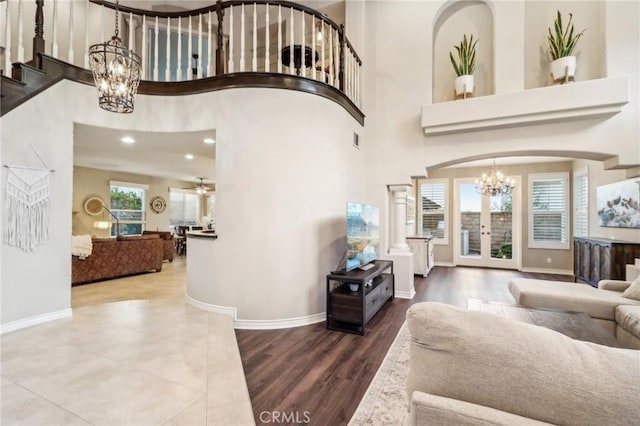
(228, 38)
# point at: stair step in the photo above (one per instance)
(27, 74)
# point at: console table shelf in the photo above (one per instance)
(350, 311)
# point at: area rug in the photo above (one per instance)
(385, 402)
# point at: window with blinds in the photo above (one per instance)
(580, 204)
(549, 211)
(185, 207)
(432, 205)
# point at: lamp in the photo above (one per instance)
(494, 183)
(103, 224)
(319, 32)
(116, 72)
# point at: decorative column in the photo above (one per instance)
(399, 228)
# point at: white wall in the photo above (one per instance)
(286, 168)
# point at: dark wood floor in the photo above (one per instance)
(321, 374)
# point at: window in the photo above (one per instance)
(549, 210)
(185, 207)
(128, 205)
(432, 208)
(211, 208)
(580, 204)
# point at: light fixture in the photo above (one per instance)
(128, 139)
(103, 224)
(116, 72)
(209, 141)
(188, 156)
(319, 32)
(494, 183)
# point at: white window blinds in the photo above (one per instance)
(185, 208)
(580, 204)
(548, 207)
(432, 204)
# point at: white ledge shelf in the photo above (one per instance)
(585, 99)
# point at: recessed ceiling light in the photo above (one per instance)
(128, 139)
(210, 141)
(189, 156)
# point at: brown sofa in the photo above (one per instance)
(168, 244)
(111, 258)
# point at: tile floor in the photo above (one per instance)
(138, 362)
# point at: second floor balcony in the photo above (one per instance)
(234, 43)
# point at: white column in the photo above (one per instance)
(399, 227)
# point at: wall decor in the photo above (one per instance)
(27, 204)
(618, 204)
(93, 205)
(158, 204)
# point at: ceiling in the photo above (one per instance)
(152, 154)
(503, 161)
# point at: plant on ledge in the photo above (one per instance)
(465, 65)
(562, 42)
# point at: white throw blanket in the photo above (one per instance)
(81, 246)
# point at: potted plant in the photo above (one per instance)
(562, 41)
(465, 65)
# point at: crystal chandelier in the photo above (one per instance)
(494, 183)
(116, 71)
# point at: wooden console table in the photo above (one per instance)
(350, 310)
(596, 259)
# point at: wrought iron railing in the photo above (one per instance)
(228, 37)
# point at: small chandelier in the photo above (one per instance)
(494, 183)
(116, 71)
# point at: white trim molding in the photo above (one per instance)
(405, 294)
(279, 323)
(444, 264)
(35, 320)
(602, 97)
(245, 324)
(547, 271)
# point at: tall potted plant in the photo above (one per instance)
(465, 65)
(562, 41)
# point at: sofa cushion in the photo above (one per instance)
(633, 291)
(138, 237)
(572, 297)
(520, 368)
(628, 317)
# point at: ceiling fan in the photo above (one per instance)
(201, 188)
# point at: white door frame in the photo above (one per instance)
(516, 234)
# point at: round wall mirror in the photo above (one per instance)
(93, 206)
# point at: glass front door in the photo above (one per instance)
(484, 227)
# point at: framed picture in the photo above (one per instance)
(618, 204)
(411, 210)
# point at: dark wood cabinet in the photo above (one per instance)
(350, 309)
(596, 259)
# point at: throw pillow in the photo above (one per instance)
(633, 291)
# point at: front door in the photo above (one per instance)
(486, 228)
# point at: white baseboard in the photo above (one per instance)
(445, 264)
(279, 323)
(224, 310)
(31, 321)
(244, 324)
(547, 271)
(405, 294)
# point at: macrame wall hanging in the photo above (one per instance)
(27, 204)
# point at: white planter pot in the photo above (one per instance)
(464, 84)
(564, 67)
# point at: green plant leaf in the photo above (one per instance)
(562, 41)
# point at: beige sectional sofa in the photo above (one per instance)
(474, 368)
(605, 304)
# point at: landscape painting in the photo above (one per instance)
(618, 204)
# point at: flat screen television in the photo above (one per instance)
(363, 234)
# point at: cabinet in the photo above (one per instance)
(423, 251)
(350, 309)
(596, 259)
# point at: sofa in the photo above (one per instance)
(111, 258)
(168, 245)
(605, 304)
(475, 368)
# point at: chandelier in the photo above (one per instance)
(116, 71)
(494, 183)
